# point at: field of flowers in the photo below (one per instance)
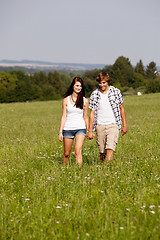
(40, 198)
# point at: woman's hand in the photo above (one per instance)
(60, 137)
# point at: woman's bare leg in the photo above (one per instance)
(78, 148)
(67, 149)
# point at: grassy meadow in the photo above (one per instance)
(40, 198)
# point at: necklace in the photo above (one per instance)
(73, 99)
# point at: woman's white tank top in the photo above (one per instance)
(75, 118)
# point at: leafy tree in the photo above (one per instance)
(66, 79)
(36, 92)
(118, 85)
(48, 92)
(92, 74)
(151, 71)
(50, 78)
(138, 80)
(140, 68)
(109, 70)
(90, 85)
(8, 83)
(122, 71)
(57, 83)
(39, 78)
(90, 82)
(24, 85)
(3, 93)
(153, 85)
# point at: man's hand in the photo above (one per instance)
(90, 135)
(124, 130)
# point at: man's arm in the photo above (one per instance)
(90, 134)
(123, 116)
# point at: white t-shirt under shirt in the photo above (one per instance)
(75, 118)
(105, 114)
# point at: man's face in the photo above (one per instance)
(103, 85)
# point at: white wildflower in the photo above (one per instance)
(143, 206)
(152, 206)
(27, 199)
(153, 212)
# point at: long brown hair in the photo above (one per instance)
(81, 94)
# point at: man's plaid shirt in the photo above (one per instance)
(115, 99)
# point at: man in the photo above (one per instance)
(106, 111)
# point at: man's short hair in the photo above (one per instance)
(103, 76)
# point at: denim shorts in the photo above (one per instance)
(73, 133)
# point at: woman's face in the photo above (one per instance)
(77, 87)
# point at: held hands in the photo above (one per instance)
(90, 135)
(124, 130)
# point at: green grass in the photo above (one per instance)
(42, 199)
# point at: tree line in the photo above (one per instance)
(18, 86)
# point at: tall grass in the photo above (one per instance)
(40, 198)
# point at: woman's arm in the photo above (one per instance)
(63, 119)
(91, 121)
(85, 112)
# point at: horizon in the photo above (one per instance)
(67, 63)
(31, 60)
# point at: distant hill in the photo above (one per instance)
(31, 66)
(42, 65)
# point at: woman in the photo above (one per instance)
(74, 121)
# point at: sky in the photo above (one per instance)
(80, 31)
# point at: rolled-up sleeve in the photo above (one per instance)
(120, 97)
(92, 104)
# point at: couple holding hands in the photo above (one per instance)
(106, 113)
